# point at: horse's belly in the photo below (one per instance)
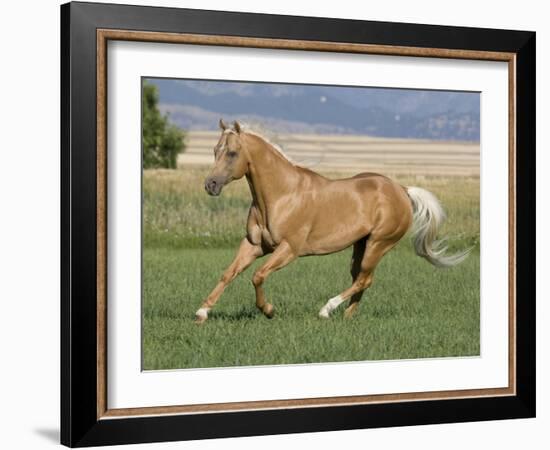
(325, 239)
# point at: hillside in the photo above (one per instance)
(400, 113)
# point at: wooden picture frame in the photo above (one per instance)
(86, 418)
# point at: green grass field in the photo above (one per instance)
(413, 310)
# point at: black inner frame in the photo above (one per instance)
(79, 423)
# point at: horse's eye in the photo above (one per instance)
(231, 154)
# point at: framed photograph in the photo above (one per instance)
(276, 224)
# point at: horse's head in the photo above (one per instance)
(230, 159)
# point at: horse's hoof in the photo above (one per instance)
(324, 314)
(269, 311)
(200, 316)
(350, 311)
(200, 320)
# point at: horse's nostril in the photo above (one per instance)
(212, 185)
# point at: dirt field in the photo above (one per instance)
(345, 153)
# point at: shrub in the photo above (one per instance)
(161, 140)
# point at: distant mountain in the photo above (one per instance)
(195, 118)
(419, 102)
(329, 109)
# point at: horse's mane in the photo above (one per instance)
(246, 128)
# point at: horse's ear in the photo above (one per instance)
(223, 125)
(237, 126)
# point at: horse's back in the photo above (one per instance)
(370, 182)
(382, 180)
(369, 175)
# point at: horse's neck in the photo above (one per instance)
(271, 176)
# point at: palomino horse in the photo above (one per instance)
(297, 212)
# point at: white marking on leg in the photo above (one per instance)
(330, 306)
(202, 313)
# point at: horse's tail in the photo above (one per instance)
(428, 217)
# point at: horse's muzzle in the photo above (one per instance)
(214, 185)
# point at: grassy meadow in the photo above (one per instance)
(413, 310)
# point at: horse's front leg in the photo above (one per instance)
(282, 256)
(246, 255)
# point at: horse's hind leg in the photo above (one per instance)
(356, 259)
(374, 252)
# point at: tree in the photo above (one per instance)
(162, 140)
